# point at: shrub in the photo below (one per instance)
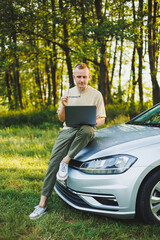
(32, 118)
(128, 110)
(115, 110)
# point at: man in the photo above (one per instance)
(70, 140)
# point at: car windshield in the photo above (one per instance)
(149, 118)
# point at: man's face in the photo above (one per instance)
(81, 77)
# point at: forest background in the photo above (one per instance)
(40, 43)
(42, 40)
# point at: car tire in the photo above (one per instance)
(148, 201)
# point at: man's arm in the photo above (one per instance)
(61, 112)
(100, 121)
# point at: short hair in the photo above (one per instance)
(81, 66)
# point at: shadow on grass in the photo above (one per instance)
(24, 186)
(21, 192)
(27, 150)
(22, 174)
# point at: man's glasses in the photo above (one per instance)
(78, 96)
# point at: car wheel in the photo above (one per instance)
(148, 202)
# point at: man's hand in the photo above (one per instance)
(100, 121)
(64, 100)
(61, 113)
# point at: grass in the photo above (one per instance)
(24, 154)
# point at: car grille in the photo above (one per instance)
(70, 196)
(109, 201)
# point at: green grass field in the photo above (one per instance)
(24, 155)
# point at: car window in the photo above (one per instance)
(150, 118)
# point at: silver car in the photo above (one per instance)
(118, 174)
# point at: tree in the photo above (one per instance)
(40, 40)
(63, 11)
(138, 44)
(153, 46)
(10, 19)
(53, 57)
(104, 86)
(140, 50)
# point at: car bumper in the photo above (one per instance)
(104, 195)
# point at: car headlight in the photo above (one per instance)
(109, 165)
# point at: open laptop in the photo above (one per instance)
(80, 115)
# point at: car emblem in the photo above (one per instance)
(62, 183)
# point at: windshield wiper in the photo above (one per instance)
(145, 124)
(150, 124)
(153, 124)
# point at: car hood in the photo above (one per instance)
(116, 135)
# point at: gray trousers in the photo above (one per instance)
(69, 142)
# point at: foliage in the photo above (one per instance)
(42, 118)
(128, 110)
(40, 42)
(46, 117)
(117, 109)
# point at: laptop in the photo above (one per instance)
(80, 115)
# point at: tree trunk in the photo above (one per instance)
(114, 61)
(83, 20)
(140, 56)
(61, 75)
(53, 58)
(19, 84)
(104, 86)
(48, 81)
(38, 81)
(15, 92)
(103, 79)
(140, 52)
(66, 43)
(120, 72)
(153, 47)
(7, 75)
(54, 76)
(17, 81)
(133, 76)
(9, 91)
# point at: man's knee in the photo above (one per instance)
(87, 131)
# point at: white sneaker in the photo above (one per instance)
(62, 173)
(38, 212)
